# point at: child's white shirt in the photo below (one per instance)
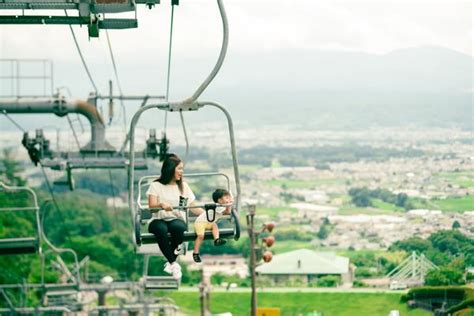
(219, 214)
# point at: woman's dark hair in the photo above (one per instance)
(168, 169)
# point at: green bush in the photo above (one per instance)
(444, 276)
(451, 292)
(329, 281)
(359, 283)
(364, 272)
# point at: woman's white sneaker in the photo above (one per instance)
(176, 270)
(168, 268)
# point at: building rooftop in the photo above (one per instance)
(305, 261)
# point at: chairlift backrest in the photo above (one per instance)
(21, 244)
(145, 182)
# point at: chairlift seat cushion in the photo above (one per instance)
(161, 283)
(148, 238)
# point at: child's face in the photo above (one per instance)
(226, 199)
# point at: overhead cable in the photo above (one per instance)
(170, 46)
(114, 65)
(82, 58)
(74, 132)
(4, 112)
(53, 197)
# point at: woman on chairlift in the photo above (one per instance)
(167, 191)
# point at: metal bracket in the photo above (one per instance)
(183, 106)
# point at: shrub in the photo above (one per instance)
(329, 281)
(359, 283)
(444, 276)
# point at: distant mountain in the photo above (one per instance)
(427, 87)
(422, 87)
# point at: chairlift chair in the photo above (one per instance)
(140, 211)
(152, 282)
(142, 237)
(189, 104)
(21, 245)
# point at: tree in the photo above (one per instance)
(10, 168)
(401, 200)
(456, 225)
(451, 241)
(444, 276)
(323, 232)
(412, 244)
(360, 197)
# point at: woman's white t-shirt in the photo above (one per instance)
(169, 193)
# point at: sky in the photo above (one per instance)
(258, 30)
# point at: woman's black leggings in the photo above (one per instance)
(160, 229)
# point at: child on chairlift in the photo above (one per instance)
(202, 224)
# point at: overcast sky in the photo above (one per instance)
(262, 26)
(258, 28)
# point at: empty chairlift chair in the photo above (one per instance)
(151, 282)
(10, 245)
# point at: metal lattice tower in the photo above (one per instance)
(412, 270)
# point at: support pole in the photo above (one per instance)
(101, 302)
(251, 233)
(202, 294)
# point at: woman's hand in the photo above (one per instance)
(167, 207)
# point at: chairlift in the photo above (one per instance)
(151, 282)
(21, 245)
(144, 215)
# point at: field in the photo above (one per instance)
(302, 184)
(273, 211)
(294, 303)
(463, 179)
(460, 204)
(282, 246)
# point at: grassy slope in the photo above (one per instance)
(461, 204)
(332, 304)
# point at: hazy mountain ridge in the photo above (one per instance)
(423, 87)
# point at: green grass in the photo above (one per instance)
(302, 184)
(455, 204)
(282, 246)
(354, 210)
(381, 205)
(245, 169)
(273, 211)
(394, 256)
(331, 304)
(464, 179)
